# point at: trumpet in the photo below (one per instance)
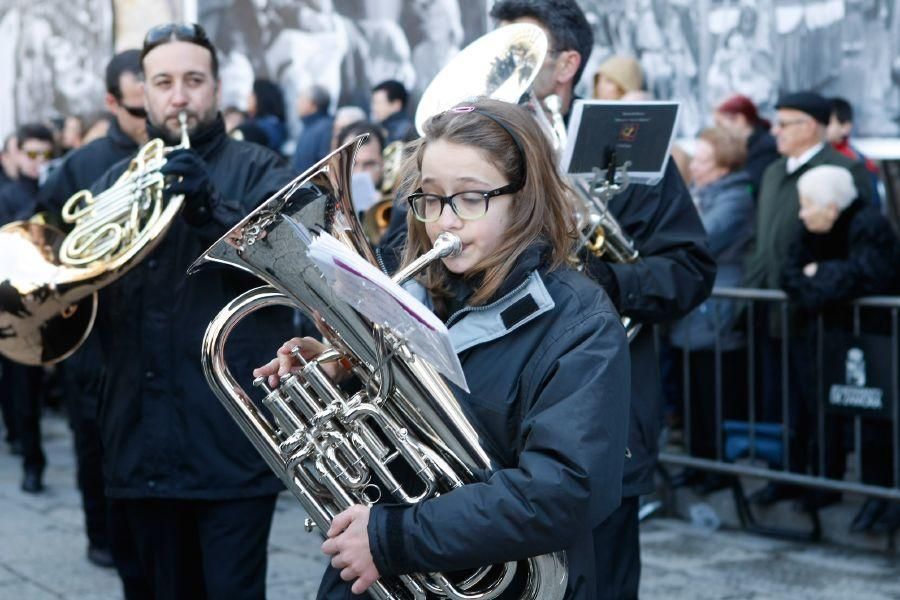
(48, 294)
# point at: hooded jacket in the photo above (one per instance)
(547, 362)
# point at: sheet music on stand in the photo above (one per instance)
(364, 287)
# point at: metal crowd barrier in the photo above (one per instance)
(755, 305)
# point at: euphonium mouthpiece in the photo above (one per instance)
(445, 245)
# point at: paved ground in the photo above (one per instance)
(42, 552)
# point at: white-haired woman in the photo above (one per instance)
(845, 249)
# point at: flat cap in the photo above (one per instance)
(811, 103)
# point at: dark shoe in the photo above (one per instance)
(816, 500)
(712, 482)
(100, 556)
(889, 521)
(32, 482)
(774, 492)
(869, 512)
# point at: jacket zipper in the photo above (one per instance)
(467, 309)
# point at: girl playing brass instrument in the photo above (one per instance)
(543, 352)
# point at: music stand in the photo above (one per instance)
(607, 135)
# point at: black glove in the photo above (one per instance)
(186, 174)
(599, 270)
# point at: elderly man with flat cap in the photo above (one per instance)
(799, 130)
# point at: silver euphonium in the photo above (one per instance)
(333, 450)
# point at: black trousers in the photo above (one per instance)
(191, 549)
(89, 460)
(6, 402)
(21, 387)
(618, 553)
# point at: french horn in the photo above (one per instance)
(49, 281)
(403, 437)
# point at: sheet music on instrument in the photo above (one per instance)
(364, 287)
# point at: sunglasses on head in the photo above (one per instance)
(185, 32)
(181, 32)
(35, 154)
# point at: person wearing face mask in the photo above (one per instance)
(543, 352)
(191, 501)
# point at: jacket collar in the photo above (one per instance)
(119, 138)
(474, 325)
(794, 163)
(205, 140)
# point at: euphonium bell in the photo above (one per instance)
(49, 281)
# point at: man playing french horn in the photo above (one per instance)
(191, 500)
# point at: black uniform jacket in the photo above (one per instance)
(675, 273)
(164, 432)
(78, 171)
(547, 365)
(18, 200)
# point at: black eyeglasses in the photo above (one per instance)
(138, 112)
(468, 205)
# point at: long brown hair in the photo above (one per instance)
(514, 144)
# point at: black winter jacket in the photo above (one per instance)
(164, 433)
(762, 151)
(860, 256)
(18, 200)
(547, 364)
(675, 273)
